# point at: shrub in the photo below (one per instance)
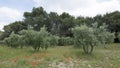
(36, 39)
(84, 36)
(65, 41)
(12, 40)
(54, 40)
(88, 37)
(103, 35)
(119, 36)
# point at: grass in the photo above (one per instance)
(60, 57)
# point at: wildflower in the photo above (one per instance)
(33, 63)
(47, 54)
(43, 54)
(119, 66)
(69, 58)
(111, 65)
(14, 60)
(65, 53)
(18, 57)
(27, 57)
(36, 56)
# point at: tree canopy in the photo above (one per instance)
(60, 24)
(88, 37)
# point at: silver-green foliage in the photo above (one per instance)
(43, 38)
(65, 41)
(54, 40)
(13, 40)
(88, 37)
(103, 35)
(36, 39)
(28, 36)
(84, 37)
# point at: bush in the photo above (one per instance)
(13, 40)
(119, 36)
(84, 36)
(65, 41)
(1, 42)
(54, 40)
(88, 37)
(103, 35)
(36, 39)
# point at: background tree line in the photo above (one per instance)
(40, 29)
(60, 25)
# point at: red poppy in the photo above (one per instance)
(27, 57)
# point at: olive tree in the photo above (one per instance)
(103, 35)
(28, 36)
(84, 36)
(88, 37)
(54, 40)
(42, 38)
(36, 39)
(12, 40)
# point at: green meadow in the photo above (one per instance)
(60, 57)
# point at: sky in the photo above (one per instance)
(12, 10)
